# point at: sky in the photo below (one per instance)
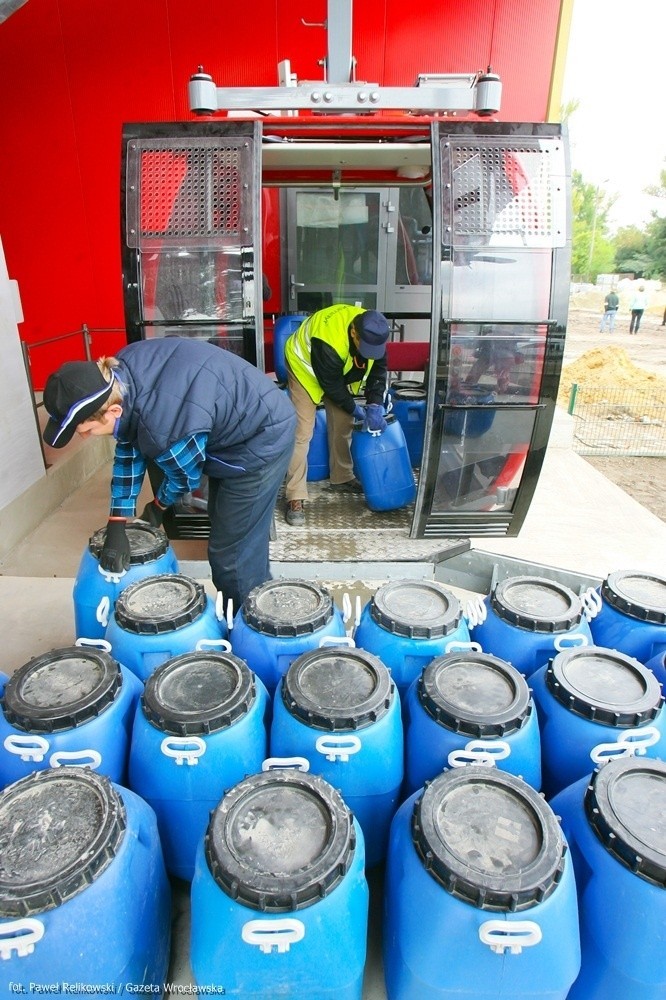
(615, 70)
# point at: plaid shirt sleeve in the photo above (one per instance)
(182, 466)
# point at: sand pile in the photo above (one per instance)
(606, 371)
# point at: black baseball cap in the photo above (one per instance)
(72, 394)
(373, 331)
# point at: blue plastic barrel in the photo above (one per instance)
(407, 623)
(160, 617)
(480, 899)
(633, 614)
(84, 897)
(278, 621)
(658, 667)
(382, 464)
(318, 461)
(409, 408)
(279, 898)
(199, 730)
(595, 704)
(282, 331)
(95, 590)
(339, 709)
(614, 823)
(527, 618)
(69, 706)
(473, 414)
(470, 707)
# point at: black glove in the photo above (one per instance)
(115, 554)
(374, 418)
(153, 514)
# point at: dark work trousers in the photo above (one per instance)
(240, 512)
(635, 324)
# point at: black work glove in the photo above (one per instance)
(153, 513)
(115, 554)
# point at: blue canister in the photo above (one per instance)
(282, 331)
(470, 707)
(526, 618)
(595, 704)
(96, 590)
(318, 462)
(339, 709)
(633, 614)
(480, 898)
(382, 464)
(615, 825)
(407, 623)
(84, 897)
(279, 898)
(658, 667)
(69, 706)
(158, 618)
(409, 407)
(472, 412)
(279, 620)
(200, 729)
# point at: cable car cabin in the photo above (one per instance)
(456, 229)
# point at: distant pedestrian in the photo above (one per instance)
(611, 306)
(638, 307)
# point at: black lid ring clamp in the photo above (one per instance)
(592, 603)
(630, 743)
(476, 611)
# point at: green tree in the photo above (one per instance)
(593, 251)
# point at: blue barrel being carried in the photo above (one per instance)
(470, 707)
(96, 590)
(199, 730)
(633, 614)
(340, 710)
(382, 464)
(595, 704)
(614, 822)
(69, 706)
(480, 898)
(279, 896)
(84, 897)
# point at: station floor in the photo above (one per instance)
(578, 521)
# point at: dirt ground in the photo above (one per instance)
(642, 478)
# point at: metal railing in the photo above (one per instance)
(85, 333)
(614, 421)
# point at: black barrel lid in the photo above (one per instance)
(146, 543)
(639, 595)
(201, 692)
(59, 830)
(475, 694)
(536, 604)
(605, 686)
(410, 394)
(160, 604)
(418, 609)
(338, 689)
(405, 383)
(488, 838)
(61, 689)
(288, 607)
(280, 841)
(625, 804)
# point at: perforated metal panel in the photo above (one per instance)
(188, 192)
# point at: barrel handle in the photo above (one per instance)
(337, 640)
(592, 603)
(283, 763)
(28, 748)
(501, 935)
(338, 747)
(470, 647)
(357, 618)
(346, 607)
(219, 605)
(183, 749)
(476, 611)
(632, 743)
(224, 644)
(484, 752)
(570, 641)
(77, 758)
(102, 611)
(111, 577)
(269, 934)
(27, 932)
(95, 643)
(230, 615)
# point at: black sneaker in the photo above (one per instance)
(295, 515)
(351, 486)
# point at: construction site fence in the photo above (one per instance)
(617, 421)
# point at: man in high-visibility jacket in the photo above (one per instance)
(334, 355)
